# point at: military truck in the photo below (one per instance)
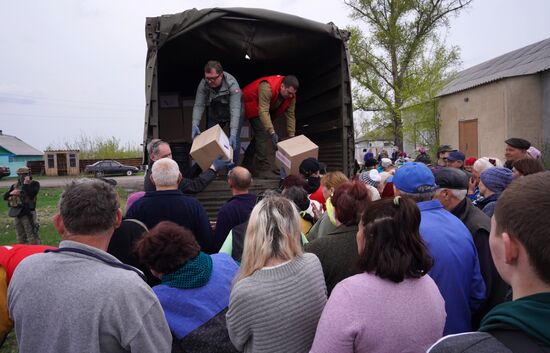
(250, 43)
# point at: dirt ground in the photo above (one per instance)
(134, 183)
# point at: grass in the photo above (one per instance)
(46, 209)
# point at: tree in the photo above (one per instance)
(99, 147)
(390, 65)
(420, 115)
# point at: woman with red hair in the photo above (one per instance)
(337, 250)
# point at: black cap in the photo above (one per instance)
(517, 142)
(371, 162)
(452, 178)
(444, 148)
(309, 166)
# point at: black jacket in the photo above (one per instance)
(479, 225)
(186, 186)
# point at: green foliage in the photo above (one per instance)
(46, 208)
(399, 61)
(435, 70)
(99, 147)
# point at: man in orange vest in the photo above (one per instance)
(266, 99)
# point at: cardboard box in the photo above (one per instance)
(209, 145)
(290, 153)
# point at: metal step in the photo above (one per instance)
(217, 193)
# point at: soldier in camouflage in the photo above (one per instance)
(21, 199)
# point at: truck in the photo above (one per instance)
(250, 43)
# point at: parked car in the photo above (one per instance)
(4, 171)
(101, 168)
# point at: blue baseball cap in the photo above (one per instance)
(414, 178)
(456, 156)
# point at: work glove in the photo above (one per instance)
(274, 140)
(195, 131)
(220, 164)
(233, 143)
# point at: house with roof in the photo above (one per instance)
(508, 96)
(15, 153)
(373, 144)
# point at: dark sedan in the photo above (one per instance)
(102, 168)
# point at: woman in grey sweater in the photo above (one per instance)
(279, 292)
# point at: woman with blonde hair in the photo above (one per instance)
(279, 292)
(329, 183)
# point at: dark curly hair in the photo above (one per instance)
(167, 247)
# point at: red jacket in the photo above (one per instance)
(12, 255)
(250, 96)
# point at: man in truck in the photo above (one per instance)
(266, 99)
(220, 92)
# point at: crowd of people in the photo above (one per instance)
(420, 257)
(402, 256)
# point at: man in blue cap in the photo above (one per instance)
(456, 266)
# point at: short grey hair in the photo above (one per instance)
(88, 206)
(419, 197)
(459, 194)
(165, 172)
(153, 147)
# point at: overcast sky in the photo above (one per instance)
(69, 67)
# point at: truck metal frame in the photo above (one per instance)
(252, 43)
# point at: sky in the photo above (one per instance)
(69, 67)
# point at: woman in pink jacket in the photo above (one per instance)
(393, 306)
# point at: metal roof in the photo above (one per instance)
(18, 147)
(528, 60)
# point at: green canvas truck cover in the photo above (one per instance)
(251, 43)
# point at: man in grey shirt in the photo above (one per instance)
(220, 92)
(79, 298)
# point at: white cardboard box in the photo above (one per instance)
(290, 153)
(209, 145)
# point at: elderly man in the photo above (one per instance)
(453, 186)
(442, 154)
(516, 149)
(21, 198)
(237, 209)
(456, 266)
(519, 243)
(220, 93)
(266, 99)
(158, 149)
(79, 298)
(455, 159)
(168, 203)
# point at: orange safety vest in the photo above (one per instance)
(250, 96)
